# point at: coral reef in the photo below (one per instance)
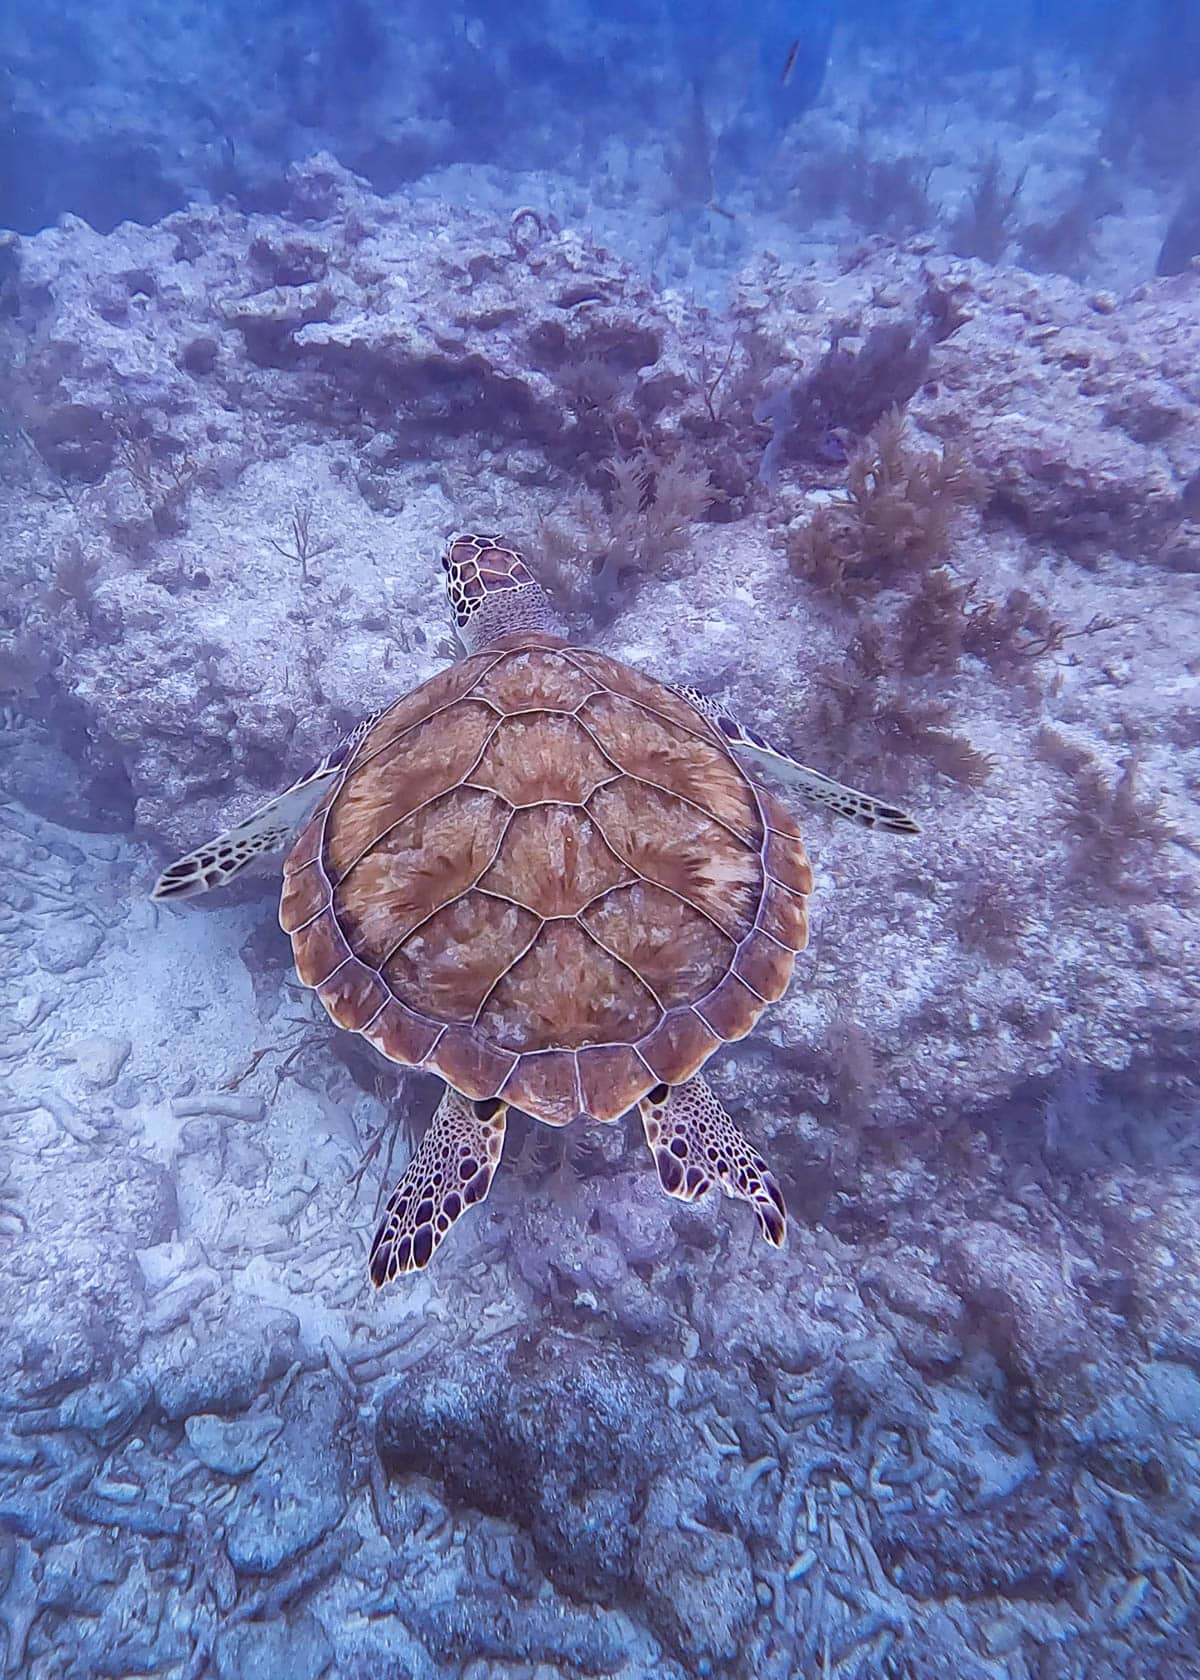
(952, 1427)
(896, 514)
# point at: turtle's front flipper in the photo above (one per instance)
(451, 1171)
(809, 784)
(269, 829)
(696, 1145)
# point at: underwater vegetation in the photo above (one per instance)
(841, 366)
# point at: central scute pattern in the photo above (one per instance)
(543, 876)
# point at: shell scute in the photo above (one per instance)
(679, 1046)
(677, 951)
(401, 1034)
(535, 679)
(679, 848)
(731, 1009)
(386, 786)
(612, 1077)
(764, 966)
(546, 1084)
(566, 992)
(416, 867)
(547, 755)
(471, 1064)
(623, 679)
(354, 995)
(305, 893)
(554, 861)
(320, 948)
(784, 915)
(433, 696)
(449, 966)
(682, 763)
(788, 863)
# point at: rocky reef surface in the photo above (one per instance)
(927, 522)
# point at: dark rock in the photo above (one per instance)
(1182, 239)
(1018, 1546)
(1032, 1318)
(233, 1446)
(1153, 1227)
(700, 1587)
(491, 1626)
(121, 1198)
(73, 1310)
(68, 945)
(550, 1432)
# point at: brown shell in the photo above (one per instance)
(544, 876)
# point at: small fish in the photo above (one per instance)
(728, 214)
(789, 63)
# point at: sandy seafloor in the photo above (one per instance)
(953, 1429)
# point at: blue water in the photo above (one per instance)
(836, 364)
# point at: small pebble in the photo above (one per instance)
(232, 1447)
(99, 1058)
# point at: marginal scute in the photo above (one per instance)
(466, 1060)
(319, 948)
(679, 1047)
(784, 915)
(546, 1086)
(778, 816)
(354, 995)
(307, 849)
(401, 1034)
(788, 863)
(612, 1077)
(731, 1009)
(305, 893)
(764, 966)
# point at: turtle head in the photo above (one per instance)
(491, 591)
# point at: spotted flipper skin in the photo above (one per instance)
(451, 1171)
(696, 1146)
(760, 755)
(269, 829)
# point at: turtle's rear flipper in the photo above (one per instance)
(269, 829)
(696, 1146)
(451, 1171)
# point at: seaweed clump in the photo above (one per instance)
(985, 224)
(594, 560)
(888, 195)
(852, 388)
(896, 514)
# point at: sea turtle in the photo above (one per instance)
(552, 880)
